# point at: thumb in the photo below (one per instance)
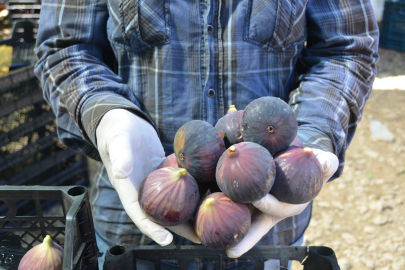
(329, 163)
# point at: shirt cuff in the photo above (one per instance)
(96, 106)
(314, 138)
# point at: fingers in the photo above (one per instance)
(261, 224)
(186, 230)
(271, 206)
(329, 163)
(129, 198)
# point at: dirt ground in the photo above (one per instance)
(361, 214)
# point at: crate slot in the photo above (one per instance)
(26, 127)
(21, 103)
(27, 151)
(40, 167)
(3, 209)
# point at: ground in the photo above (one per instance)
(361, 214)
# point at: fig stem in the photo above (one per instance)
(209, 201)
(223, 134)
(232, 151)
(47, 241)
(231, 108)
(183, 172)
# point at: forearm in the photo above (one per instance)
(73, 49)
(336, 70)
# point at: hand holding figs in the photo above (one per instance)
(270, 211)
(130, 149)
(264, 163)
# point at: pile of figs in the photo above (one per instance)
(216, 171)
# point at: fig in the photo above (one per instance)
(45, 256)
(221, 223)
(298, 176)
(169, 161)
(297, 142)
(245, 172)
(169, 196)
(230, 124)
(270, 122)
(198, 146)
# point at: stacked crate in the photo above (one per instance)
(24, 9)
(30, 151)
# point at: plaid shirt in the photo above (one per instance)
(173, 61)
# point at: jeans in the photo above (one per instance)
(144, 265)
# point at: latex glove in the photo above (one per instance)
(269, 211)
(130, 149)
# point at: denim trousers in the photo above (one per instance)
(145, 265)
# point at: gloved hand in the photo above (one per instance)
(130, 149)
(268, 210)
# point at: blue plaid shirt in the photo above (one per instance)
(172, 61)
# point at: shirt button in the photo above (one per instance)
(210, 29)
(211, 93)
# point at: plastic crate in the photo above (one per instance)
(71, 227)
(392, 31)
(312, 258)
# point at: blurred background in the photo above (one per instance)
(360, 215)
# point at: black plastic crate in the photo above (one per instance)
(70, 225)
(392, 30)
(179, 257)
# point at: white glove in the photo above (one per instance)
(130, 149)
(269, 210)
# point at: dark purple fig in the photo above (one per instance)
(169, 161)
(198, 146)
(270, 122)
(298, 176)
(221, 223)
(246, 172)
(297, 143)
(169, 196)
(230, 124)
(231, 108)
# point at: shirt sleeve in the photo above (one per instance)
(335, 71)
(75, 69)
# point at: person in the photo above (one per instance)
(123, 76)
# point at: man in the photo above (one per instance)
(123, 76)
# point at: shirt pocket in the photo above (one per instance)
(275, 25)
(144, 23)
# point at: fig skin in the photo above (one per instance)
(297, 143)
(270, 122)
(198, 146)
(169, 196)
(246, 172)
(221, 223)
(298, 176)
(169, 161)
(45, 256)
(230, 124)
